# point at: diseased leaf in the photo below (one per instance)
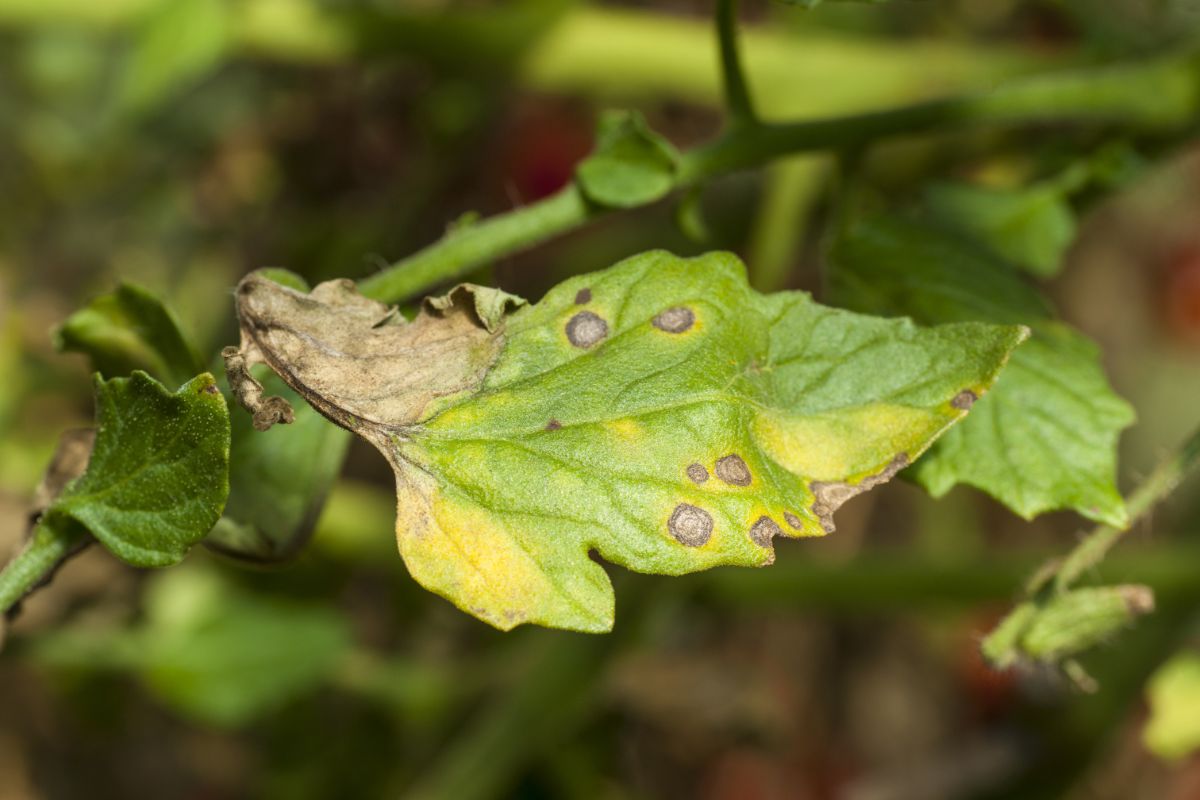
(631, 165)
(660, 413)
(1173, 730)
(158, 473)
(1046, 437)
(130, 329)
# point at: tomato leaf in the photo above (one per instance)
(1046, 437)
(631, 166)
(159, 469)
(660, 413)
(1030, 227)
(130, 329)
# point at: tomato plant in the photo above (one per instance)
(662, 414)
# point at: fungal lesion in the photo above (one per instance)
(586, 329)
(764, 530)
(732, 469)
(964, 400)
(677, 319)
(690, 525)
(697, 474)
(828, 496)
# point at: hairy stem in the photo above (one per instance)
(737, 94)
(1095, 546)
(1155, 94)
(466, 247)
(47, 547)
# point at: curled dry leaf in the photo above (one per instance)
(659, 413)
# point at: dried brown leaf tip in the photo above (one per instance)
(357, 361)
(828, 496)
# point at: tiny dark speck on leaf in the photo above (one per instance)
(733, 470)
(583, 296)
(553, 425)
(586, 329)
(691, 526)
(697, 473)
(964, 399)
(674, 320)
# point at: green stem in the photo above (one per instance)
(45, 550)
(737, 94)
(1153, 94)
(464, 248)
(1166, 476)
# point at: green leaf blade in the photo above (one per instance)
(631, 166)
(1045, 438)
(158, 475)
(130, 329)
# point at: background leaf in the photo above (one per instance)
(159, 471)
(212, 651)
(1046, 437)
(631, 165)
(1030, 227)
(1173, 730)
(127, 330)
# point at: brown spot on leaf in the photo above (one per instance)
(583, 297)
(793, 520)
(585, 329)
(697, 473)
(964, 399)
(763, 531)
(691, 526)
(733, 470)
(675, 320)
(553, 425)
(828, 496)
(210, 389)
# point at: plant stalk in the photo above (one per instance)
(737, 94)
(1161, 482)
(1157, 94)
(46, 549)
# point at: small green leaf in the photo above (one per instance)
(1046, 437)
(660, 413)
(127, 330)
(631, 165)
(159, 470)
(1030, 227)
(1173, 731)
